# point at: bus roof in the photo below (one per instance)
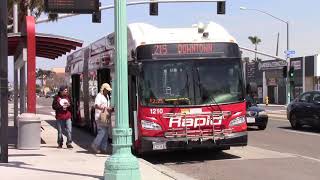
(142, 33)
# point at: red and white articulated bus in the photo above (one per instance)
(186, 86)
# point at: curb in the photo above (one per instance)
(282, 116)
(167, 171)
(272, 105)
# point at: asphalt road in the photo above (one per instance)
(277, 153)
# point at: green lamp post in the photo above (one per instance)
(122, 164)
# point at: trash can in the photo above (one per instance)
(29, 129)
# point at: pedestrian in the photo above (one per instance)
(63, 107)
(102, 105)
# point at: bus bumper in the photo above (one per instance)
(169, 144)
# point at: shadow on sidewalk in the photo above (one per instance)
(80, 137)
(23, 155)
(188, 156)
(22, 165)
(12, 136)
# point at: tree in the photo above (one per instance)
(43, 75)
(56, 81)
(36, 8)
(255, 40)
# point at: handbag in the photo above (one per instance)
(105, 117)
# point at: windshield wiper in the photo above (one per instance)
(200, 90)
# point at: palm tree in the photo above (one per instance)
(43, 75)
(255, 40)
(36, 8)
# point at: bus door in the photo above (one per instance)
(134, 71)
(75, 88)
(103, 76)
(132, 91)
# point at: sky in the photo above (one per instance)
(301, 15)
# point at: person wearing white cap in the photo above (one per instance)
(102, 104)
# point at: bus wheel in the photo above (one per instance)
(220, 149)
(135, 151)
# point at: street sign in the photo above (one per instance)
(273, 64)
(290, 52)
(71, 6)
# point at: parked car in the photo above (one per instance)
(305, 110)
(257, 116)
(50, 94)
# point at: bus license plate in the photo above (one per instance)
(251, 120)
(159, 145)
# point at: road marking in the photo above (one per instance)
(53, 113)
(276, 111)
(305, 157)
(252, 152)
(277, 115)
(276, 119)
(304, 133)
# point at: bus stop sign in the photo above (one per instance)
(71, 6)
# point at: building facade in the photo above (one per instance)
(269, 75)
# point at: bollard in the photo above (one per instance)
(29, 129)
(267, 101)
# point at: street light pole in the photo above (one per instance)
(3, 82)
(288, 90)
(288, 87)
(122, 164)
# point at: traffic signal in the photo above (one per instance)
(96, 17)
(221, 7)
(285, 71)
(153, 9)
(291, 73)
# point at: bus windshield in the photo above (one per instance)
(191, 82)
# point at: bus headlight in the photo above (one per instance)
(237, 121)
(149, 125)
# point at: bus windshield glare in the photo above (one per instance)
(191, 82)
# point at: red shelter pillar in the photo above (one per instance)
(31, 64)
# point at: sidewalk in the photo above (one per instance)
(273, 105)
(272, 113)
(277, 114)
(50, 163)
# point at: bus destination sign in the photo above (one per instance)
(183, 49)
(188, 50)
(71, 6)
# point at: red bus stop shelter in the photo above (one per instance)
(36, 45)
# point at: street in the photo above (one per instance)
(275, 153)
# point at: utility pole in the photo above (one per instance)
(15, 71)
(3, 82)
(277, 50)
(288, 66)
(122, 164)
(288, 87)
